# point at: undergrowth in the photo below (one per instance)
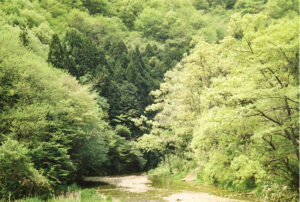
(73, 194)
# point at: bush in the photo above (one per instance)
(180, 167)
(53, 161)
(276, 192)
(18, 177)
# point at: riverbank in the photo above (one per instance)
(80, 195)
(139, 188)
(190, 173)
(194, 196)
(157, 188)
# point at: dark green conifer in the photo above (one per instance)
(56, 55)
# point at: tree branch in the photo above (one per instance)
(269, 118)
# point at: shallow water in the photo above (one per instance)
(140, 188)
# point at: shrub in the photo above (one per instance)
(18, 177)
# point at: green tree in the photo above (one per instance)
(56, 55)
(82, 55)
(52, 160)
(18, 177)
(51, 114)
(98, 6)
(235, 105)
(128, 10)
(151, 24)
(123, 131)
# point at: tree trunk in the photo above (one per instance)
(169, 163)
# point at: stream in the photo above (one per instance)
(142, 188)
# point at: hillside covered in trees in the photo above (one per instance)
(106, 87)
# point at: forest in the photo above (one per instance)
(113, 87)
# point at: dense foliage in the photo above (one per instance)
(97, 87)
(235, 105)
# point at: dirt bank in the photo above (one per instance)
(130, 183)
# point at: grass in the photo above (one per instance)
(80, 195)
